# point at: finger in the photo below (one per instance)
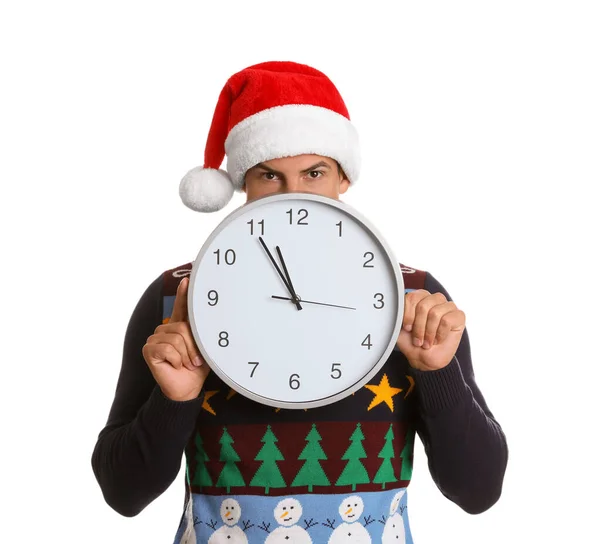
(410, 301)
(453, 321)
(434, 318)
(184, 329)
(156, 354)
(421, 316)
(178, 342)
(180, 311)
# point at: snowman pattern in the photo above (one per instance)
(351, 530)
(287, 514)
(229, 533)
(393, 530)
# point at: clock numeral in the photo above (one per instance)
(294, 381)
(340, 226)
(302, 218)
(368, 342)
(213, 297)
(229, 256)
(255, 363)
(336, 373)
(223, 339)
(380, 300)
(366, 263)
(261, 223)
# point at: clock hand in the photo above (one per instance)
(287, 275)
(289, 288)
(311, 302)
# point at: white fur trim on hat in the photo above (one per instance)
(206, 189)
(286, 131)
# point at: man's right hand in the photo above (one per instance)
(172, 355)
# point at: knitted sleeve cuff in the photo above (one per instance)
(442, 389)
(173, 418)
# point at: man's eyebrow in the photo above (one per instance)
(265, 167)
(315, 166)
(321, 164)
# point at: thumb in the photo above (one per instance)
(180, 307)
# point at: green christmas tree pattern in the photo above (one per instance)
(385, 474)
(230, 474)
(354, 473)
(201, 477)
(312, 472)
(268, 474)
(407, 456)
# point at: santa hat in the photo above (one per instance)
(269, 111)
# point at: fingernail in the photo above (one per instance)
(417, 341)
(426, 345)
(408, 328)
(197, 361)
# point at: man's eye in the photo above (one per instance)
(269, 176)
(314, 174)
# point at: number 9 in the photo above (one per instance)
(213, 298)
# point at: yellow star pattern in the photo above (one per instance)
(411, 381)
(206, 405)
(231, 393)
(383, 393)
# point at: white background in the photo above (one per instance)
(479, 123)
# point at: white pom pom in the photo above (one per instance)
(206, 189)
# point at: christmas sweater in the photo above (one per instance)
(333, 474)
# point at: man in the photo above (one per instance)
(337, 473)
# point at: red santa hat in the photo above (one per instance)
(269, 111)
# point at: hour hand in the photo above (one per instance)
(294, 298)
(287, 275)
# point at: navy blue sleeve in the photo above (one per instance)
(466, 447)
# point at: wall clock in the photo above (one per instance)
(295, 300)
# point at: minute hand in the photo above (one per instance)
(285, 282)
(311, 302)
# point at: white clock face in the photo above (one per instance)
(286, 353)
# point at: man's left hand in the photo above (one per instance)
(431, 330)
